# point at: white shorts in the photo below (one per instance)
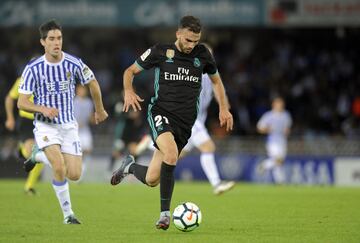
(86, 139)
(199, 135)
(276, 150)
(66, 135)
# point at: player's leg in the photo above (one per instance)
(33, 178)
(278, 172)
(45, 135)
(117, 151)
(152, 176)
(73, 165)
(59, 183)
(207, 160)
(278, 155)
(143, 145)
(34, 173)
(200, 138)
(270, 162)
(25, 127)
(26, 147)
(129, 166)
(208, 164)
(168, 147)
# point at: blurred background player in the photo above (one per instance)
(130, 128)
(83, 112)
(24, 126)
(276, 124)
(201, 139)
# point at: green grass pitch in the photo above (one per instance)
(127, 213)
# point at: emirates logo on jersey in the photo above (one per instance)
(182, 74)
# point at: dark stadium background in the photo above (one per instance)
(306, 51)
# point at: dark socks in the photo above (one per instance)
(166, 185)
(139, 171)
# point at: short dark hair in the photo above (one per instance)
(47, 26)
(191, 23)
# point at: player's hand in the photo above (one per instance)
(100, 116)
(10, 124)
(50, 112)
(131, 99)
(226, 118)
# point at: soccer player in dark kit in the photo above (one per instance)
(173, 108)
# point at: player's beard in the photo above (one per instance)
(183, 49)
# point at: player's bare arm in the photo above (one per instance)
(225, 116)
(9, 108)
(25, 104)
(100, 112)
(263, 129)
(130, 97)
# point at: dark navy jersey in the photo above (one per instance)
(177, 81)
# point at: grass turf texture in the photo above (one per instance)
(127, 213)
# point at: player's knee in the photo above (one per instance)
(74, 175)
(171, 157)
(210, 148)
(152, 182)
(279, 161)
(59, 170)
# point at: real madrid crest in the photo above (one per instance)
(170, 53)
(197, 62)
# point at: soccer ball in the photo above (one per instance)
(187, 216)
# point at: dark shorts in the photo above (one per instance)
(24, 128)
(160, 121)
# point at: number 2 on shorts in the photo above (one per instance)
(159, 120)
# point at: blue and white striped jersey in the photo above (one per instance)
(53, 85)
(206, 96)
(278, 123)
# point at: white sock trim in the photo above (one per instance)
(41, 157)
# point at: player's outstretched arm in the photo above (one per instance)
(225, 116)
(130, 97)
(100, 112)
(25, 104)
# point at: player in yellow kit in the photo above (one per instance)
(24, 127)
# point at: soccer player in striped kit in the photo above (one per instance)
(51, 78)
